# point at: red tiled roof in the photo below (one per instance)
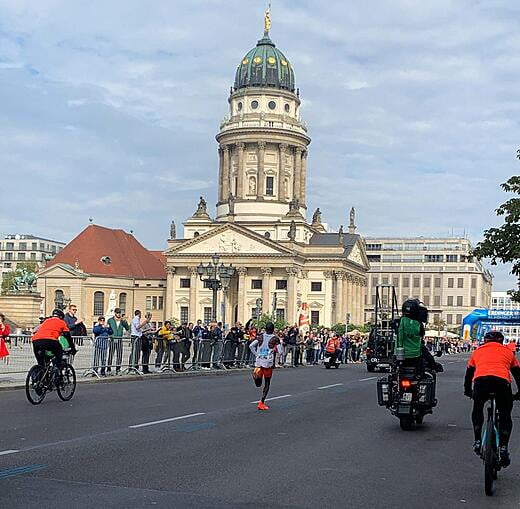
(128, 257)
(160, 256)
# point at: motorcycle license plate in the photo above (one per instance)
(406, 397)
(384, 365)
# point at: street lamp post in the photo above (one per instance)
(215, 277)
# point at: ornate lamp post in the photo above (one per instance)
(216, 277)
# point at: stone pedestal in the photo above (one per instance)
(23, 308)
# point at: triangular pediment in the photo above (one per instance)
(357, 255)
(229, 239)
(61, 270)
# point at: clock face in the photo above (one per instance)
(257, 60)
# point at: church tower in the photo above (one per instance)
(262, 141)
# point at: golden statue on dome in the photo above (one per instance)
(267, 19)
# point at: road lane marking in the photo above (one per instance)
(11, 472)
(366, 379)
(328, 386)
(275, 397)
(10, 451)
(145, 424)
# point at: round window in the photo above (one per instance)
(287, 108)
(254, 104)
(267, 235)
(272, 105)
(239, 106)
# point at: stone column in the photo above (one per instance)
(242, 271)
(170, 292)
(291, 295)
(340, 295)
(297, 172)
(266, 289)
(220, 174)
(281, 171)
(225, 172)
(303, 182)
(194, 294)
(362, 291)
(241, 172)
(349, 308)
(260, 179)
(330, 305)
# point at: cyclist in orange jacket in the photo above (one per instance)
(489, 369)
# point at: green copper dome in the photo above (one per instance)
(265, 66)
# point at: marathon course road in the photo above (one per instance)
(201, 443)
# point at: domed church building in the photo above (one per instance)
(283, 263)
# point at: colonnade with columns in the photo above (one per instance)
(297, 177)
(347, 292)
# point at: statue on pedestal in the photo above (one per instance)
(292, 231)
(173, 231)
(316, 217)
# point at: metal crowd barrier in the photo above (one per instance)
(106, 356)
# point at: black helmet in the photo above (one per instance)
(415, 310)
(494, 335)
(58, 313)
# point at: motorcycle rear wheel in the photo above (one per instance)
(406, 422)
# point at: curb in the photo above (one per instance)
(138, 378)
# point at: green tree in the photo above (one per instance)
(503, 244)
(278, 324)
(8, 280)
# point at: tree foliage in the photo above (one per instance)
(278, 324)
(503, 244)
(8, 279)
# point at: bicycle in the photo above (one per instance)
(490, 452)
(43, 379)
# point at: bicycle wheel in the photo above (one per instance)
(490, 459)
(34, 387)
(67, 387)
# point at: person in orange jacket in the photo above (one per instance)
(332, 347)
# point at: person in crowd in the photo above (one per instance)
(309, 352)
(187, 339)
(177, 346)
(216, 345)
(316, 348)
(290, 342)
(147, 334)
(299, 349)
(234, 336)
(4, 336)
(343, 345)
(101, 334)
(75, 325)
(136, 339)
(265, 348)
(162, 344)
(119, 325)
(199, 331)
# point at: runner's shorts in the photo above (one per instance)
(259, 373)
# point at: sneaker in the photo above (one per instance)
(477, 447)
(505, 459)
(262, 406)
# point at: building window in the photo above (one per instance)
(437, 301)
(9, 256)
(375, 281)
(460, 282)
(269, 186)
(433, 258)
(208, 314)
(154, 302)
(374, 258)
(450, 301)
(254, 105)
(254, 313)
(185, 283)
(459, 319)
(316, 286)
(21, 256)
(99, 303)
(22, 246)
(450, 282)
(473, 301)
(436, 318)
(272, 105)
(281, 284)
(184, 314)
(9, 245)
(452, 258)
(395, 282)
(34, 246)
(426, 300)
(437, 282)
(416, 282)
(59, 297)
(460, 301)
(280, 315)
(256, 284)
(7, 265)
(315, 318)
(427, 282)
(33, 256)
(122, 302)
(449, 319)
(385, 280)
(406, 282)
(373, 247)
(473, 283)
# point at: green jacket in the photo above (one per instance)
(118, 329)
(409, 337)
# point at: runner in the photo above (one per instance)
(265, 349)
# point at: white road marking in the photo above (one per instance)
(166, 420)
(10, 451)
(276, 397)
(369, 378)
(329, 386)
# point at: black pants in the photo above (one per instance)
(40, 346)
(146, 348)
(482, 388)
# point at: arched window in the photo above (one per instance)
(59, 299)
(122, 302)
(99, 303)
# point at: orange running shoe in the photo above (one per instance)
(262, 406)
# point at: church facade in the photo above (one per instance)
(289, 265)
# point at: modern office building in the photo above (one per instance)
(501, 301)
(17, 248)
(439, 271)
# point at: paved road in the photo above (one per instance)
(324, 443)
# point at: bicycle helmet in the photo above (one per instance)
(494, 335)
(415, 310)
(58, 313)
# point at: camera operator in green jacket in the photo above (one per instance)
(118, 325)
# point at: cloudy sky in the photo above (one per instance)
(109, 110)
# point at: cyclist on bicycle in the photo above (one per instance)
(490, 368)
(46, 338)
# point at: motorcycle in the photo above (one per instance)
(331, 360)
(408, 392)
